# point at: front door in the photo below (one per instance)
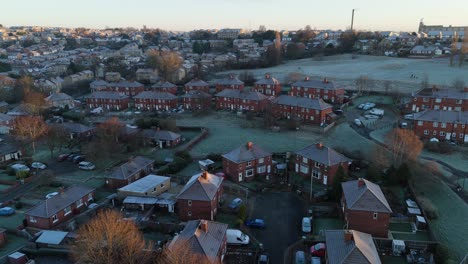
(297, 167)
(325, 179)
(447, 136)
(240, 176)
(269, 169)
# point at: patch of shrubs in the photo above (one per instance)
(440, 147)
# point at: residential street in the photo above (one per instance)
(282, 213)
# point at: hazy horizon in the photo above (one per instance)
(247, 14)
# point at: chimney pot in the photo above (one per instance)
(249, 145)
(348, 235)
(204, 174)
(360, 182)
(320, 145)
(307, 78)
(61, 190)
(204, 225)
(267, 76)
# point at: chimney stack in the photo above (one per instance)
(360, 182)
(61, 190)
(306, 78)
(267, 76)
(204, 225)
(204, 174)
(130, 159)
(320, 145)
(231, 77)
(348, 236)
(249, 145)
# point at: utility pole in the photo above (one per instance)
(352, 20)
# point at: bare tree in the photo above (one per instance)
(55, 136)
(180, 252)
(387, 86)
(404, 146)
(167, 62)
(29, 128)
(362, 84)
(109, 239)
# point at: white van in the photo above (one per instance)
(236, 237)
(306, 225)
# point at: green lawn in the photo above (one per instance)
(12, 221)
(378, 99)
(4, 186)
(322, 224)
(12, 245)
(418, 236)
(6, 177)
(400, 227)
(229, 219)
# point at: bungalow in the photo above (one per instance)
(350, 247)
(59, 208)
(313, 111)
(199, 199)
(159, 101)
(150, 185)
(327, 90)
(246, 162)
(162, 138)
(420, 50)
(365, 208)
(207, 240)
(238, 100)
(268, 86)
(196, 100)
(108, 101)
(164, 87)
(129, 172)
(76, 130)
(229, 83)
(60, 100)
(197, 85)
(319, 162)
(8, 149)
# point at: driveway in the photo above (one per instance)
(282, 213)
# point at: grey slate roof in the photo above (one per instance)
(58, 97)
(51, 237)
(201, 189)
(229, 81)
(368, 197)
(51, 206)
(143, 184)
(125, 84)
(72, 127)
(324, 155)
(155, 95)
(360, 250)
(129, 168)
(243, 154)
(442, 93)
(308, 83)
(197, 82)
(160, 135)
(107, 95)
(237, 94)
(315, 103)
(267, 80)
(164, 85)
(196, 94)
(5, 117)
(442, 116)
(199, 242)
(99, 83)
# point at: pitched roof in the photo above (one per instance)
(107, 95)
(267, 80)
(442, 93)
(442, 116)
(247, 95)
(229, 81)
(129, 168)
(359, 250)
(51, 206)
(312, 103)
(197, 82)
(160, 134)
(5, 117)
(199, 241)
(165, 84)
(243, 153)
(155, 95)
(322, 154)
(200, 187)
(145, 183)
(321, 84)
(72, 127)
(125, 84)
(58, 97)
(196, 94)
(368, 197)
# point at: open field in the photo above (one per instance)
(345, 70)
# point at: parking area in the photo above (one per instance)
(282, 213)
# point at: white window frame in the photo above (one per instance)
(375, 216)
(67, 210)
(304, 160)
(189, 202)
(435, 124)
(420, 123)
(261, 169)
(304, 169)
(316, 174)
(442, 133)
(426, 132)
(79, 203)
(443, 125)
(249, 163)
(249, 171)
(317, 164)
(261, 160)
(32, 219)
(54, 218)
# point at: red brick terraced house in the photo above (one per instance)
(122, 87)
(312, 111)
(196, 100)
(108, 101)
(325, 89)
(443, 125)
(229, 83)
(199, 199)
(438, 99)
(197, 85)
(268, 86)
(129, 172)
(59, 208)
(203, 238)
(236, 100)
(247, 162)
(320, 163)
(164, 87)
(151, 101)
(365, 207)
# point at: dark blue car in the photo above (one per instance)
(7, 211)
(258, 223)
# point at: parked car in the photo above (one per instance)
(306, 224)
(62, 157)
(38, 165)
(377, 111)
(315, 260)
(371, 116)
(409, 116)
(86, 165)
(50, 195)
(235, 203)
(7, 211)
(71, 157)
(236, 237)
(300, 257)
(318, 250)
(358, 122)
(19, 167)
(403, 125)
(263, 259)
(259, 223)
(338, 111)
(78, 159)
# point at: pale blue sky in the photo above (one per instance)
(208, 14)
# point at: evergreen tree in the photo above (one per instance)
(337, 190)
